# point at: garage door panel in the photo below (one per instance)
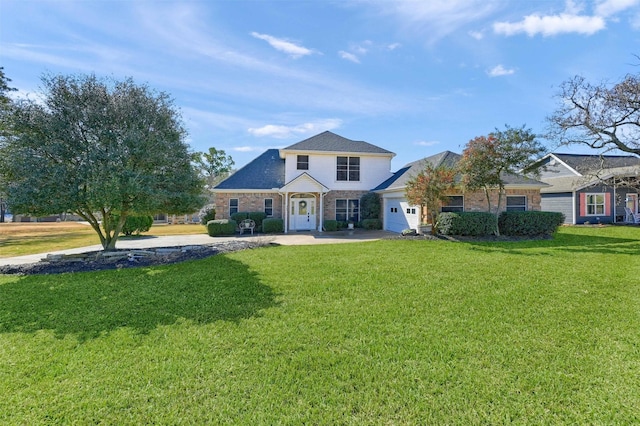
(399, 215)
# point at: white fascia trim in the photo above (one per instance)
(244, 191)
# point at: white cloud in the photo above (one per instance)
(499, 71)
(281, 131)
(394, 46)
(478, 35)
(435, 19)
(426, 143)
(349, 56)
(292, 49)
(607, 8)
(551, 25)
(573, 20)
(247, 149)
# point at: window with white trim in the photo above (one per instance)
(454, 203)
(268, 207)
(516, 203)
(348, 168)
(348, 210)
(233, 206)
(303, 162)
(595, 204)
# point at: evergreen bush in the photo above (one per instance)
(371, 224)
(220, 227)
(272, 226)
(330, 225)
(529, 223)
(466, 223)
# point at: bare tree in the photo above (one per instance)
(604, 116)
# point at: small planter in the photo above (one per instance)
(425, 229)
(350, 226)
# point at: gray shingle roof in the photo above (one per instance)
(448, 159)
(265, 172)
(584, 163)
(330, 142)
(400, 178)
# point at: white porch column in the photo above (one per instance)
(321, 225)
(286, 213)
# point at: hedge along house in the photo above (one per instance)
(319, 178)
(589, 188)
(521, 193)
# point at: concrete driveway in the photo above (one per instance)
(294, 238)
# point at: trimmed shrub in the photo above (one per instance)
(207, 213)
(330, 225)
(529, 223)
(370, 206)
(272, 226)
(257, 217)
(371, 224)
(466, 223)
(135, 224)
(220, 227)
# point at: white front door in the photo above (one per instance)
(303, 214)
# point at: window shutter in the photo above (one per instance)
(583, 204)
(607, 204)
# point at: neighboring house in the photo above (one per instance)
(521, 193)
(319, 178)
(589, 188)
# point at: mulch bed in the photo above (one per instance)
(100, 263)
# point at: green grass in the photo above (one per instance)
(17, 239)
(386, 332)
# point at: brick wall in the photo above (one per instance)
(477, 201)
(253, 202)
(331, 197)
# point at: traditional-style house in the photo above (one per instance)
(319, 178)
(324, 177)
(590, 188)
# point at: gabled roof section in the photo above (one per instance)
(447, 159)
(603, 177)
(585, 163)
(265, 172)
(400, 178)
(298, 183)
(330, 142)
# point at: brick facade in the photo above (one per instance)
(247, 202)
(331, 197)
(477, 201)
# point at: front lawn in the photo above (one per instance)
(17, 239)
(385, 332)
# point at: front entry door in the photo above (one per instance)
(632, 202)
(303, 214)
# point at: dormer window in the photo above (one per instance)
(348, 169)
(303, 162)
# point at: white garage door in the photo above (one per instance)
(399, 215)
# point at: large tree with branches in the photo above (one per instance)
(486, 160)
(5, 107)
(430, 188)
(101, 149)
(602, 116)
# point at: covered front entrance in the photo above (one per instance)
(303, 204)
(303, 213)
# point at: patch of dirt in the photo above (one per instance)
(105, 263)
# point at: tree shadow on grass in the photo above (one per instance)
(88, 305)
(563, 242)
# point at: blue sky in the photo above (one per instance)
(414, 77)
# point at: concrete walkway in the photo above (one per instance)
(294, 238)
